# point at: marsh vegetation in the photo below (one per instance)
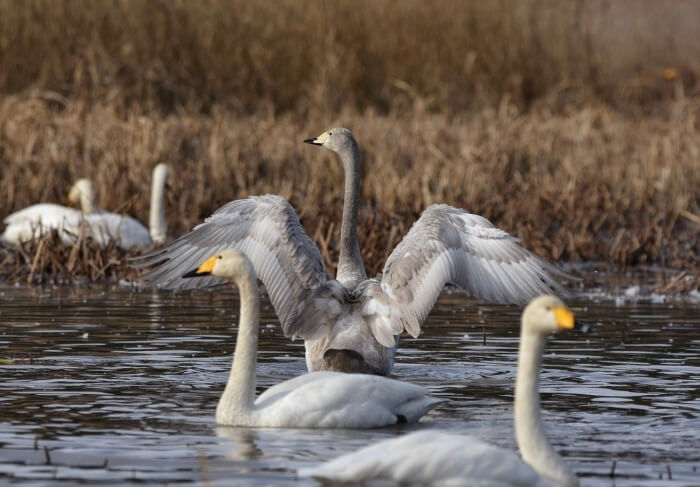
(572, 125)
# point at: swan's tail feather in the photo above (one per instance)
(417, 408)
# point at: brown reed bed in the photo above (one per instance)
(581, 184)
(46, 260)
(572, 125)
(326, 55)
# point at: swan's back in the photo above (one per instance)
(430, 457)
(124, 230)
(37, 220)
(337, 400)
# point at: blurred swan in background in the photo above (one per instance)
(314, 400)
(352, 323)
(127, 232)
(102, 227)
(35, 221)
(83, 195)
(431, 457)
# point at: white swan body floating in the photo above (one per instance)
(436, 457)
(103, 227)
(352, 323)
(35, 221)
(128, 232)
(314, 400)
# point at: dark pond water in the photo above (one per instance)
(110, 386)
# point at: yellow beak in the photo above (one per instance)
(207, 266)
(204, 269)
(565, 318)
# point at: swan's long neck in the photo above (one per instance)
(351, 269)
(156, 223)
(87, 201)
(534, 445)
(237, 401)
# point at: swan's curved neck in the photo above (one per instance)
(534, 445)
(156, 223)
(87, 201)
(237, 401)
(351, 269)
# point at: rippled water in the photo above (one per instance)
(110, 386)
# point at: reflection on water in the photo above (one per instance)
(118, 387)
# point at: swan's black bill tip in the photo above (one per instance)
(312, 141)
(194, 273)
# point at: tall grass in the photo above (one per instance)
(573, 125)
(589, 185)
(327, 55)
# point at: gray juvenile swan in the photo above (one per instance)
(437, 457)
(352, 323)
(314, 400)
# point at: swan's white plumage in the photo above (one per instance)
(431, 458)
(100, 226)
(328, 399)
(126, 232)
(37, 220)
(440, 458)
(445, 245)
(123, 230)
(314, 400)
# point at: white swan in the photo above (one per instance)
(432, 457)
(103, 227)
(352, 323)
(83, 194)
(127, 232)
(35, 221)
(314, 400)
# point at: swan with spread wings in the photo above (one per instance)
(352, 323)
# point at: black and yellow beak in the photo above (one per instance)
(317, 140)
(566, 321)
(202, 270)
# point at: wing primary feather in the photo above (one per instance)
(449, 245)
(267, 229)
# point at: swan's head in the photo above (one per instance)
(161, 172)
(548, 314)
(229, 263)
(336, 139)
(81, 193)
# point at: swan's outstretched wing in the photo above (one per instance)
(449, 245)
(267, 229)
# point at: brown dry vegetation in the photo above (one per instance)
(573, 125)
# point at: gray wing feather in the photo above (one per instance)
(267, 229)
(449, 245)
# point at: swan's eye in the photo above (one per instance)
(220, 257)
(548, 308)
(330, 133)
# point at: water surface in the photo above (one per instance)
(110, 386)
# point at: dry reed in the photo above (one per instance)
(327, 55)
(538, 115)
